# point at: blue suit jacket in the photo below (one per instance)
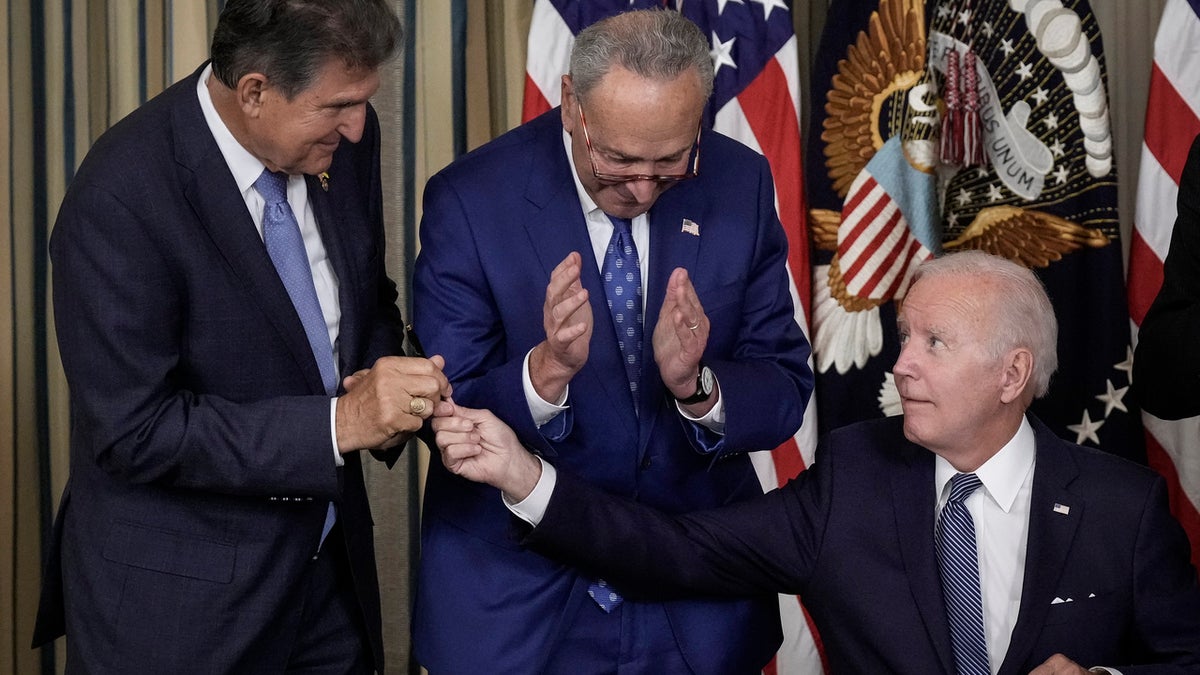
(854, 537)
(496, 223)
(201, 458)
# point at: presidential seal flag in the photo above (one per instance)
(966, 124)
(756, 100)
(1172, 116)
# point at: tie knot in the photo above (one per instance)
(272, 186)
(620, 225)
(962, 485)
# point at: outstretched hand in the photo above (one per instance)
(476, 445)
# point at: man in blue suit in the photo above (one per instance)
(517, 243)
(215, 519)
(1051, 556)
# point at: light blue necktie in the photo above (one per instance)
(959, 564)
(285, 245)
(622, 277)
(621, 274)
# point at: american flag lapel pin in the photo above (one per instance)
(1062, 508)
(690, 227)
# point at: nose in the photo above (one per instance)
(905, 362)
(643, 190)
(353, 120)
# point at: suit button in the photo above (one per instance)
(646, 463)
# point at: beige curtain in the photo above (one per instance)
(76, 66)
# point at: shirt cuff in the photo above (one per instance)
(713, 420)
(541, 410)
(337, 452)
(533, 507)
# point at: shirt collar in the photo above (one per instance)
(1002, 475)
(246, 168)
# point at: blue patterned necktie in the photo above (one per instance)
(959, 564)
(622, 277)
(285, 245)
(621, 274)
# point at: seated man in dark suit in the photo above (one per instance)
(963, 537)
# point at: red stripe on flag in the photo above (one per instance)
(1169, 121)
(887, 265)
(535, 103)
(788, 462)
(1181, 506)
(1145, 276)
(914, 247)
(768, 108)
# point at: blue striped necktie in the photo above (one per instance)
(285, 245)
(959, 564)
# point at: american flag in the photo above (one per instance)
(756, 100)
(1172, 120)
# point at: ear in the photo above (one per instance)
(569, 102)
(251, 93)
(1017, 371)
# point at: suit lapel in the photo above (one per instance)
(330, 211)
(912, 492)
(1051, 532)
(220, 209)
(669, 248)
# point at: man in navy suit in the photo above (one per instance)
(709, 364)
(215, 519)
(1075, 559)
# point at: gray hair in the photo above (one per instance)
(653, 43)
(1021, 313)
(289, 41)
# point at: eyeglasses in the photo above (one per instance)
(617, 178)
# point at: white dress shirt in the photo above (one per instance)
(1000, 509)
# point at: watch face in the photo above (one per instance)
(706, 380)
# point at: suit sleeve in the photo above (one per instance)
(454, 308)
(765, 378)
(1166, 366)
(767, 544)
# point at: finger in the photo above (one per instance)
(419, 406)
(564, 275)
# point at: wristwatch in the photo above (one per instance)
(704, 387)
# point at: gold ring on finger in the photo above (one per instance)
(416, 405)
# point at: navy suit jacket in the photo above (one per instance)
(496, 223)
(201, 457)
(854, 537)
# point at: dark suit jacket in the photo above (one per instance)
(854, 537)
(201, 458)
(496, 223)
(1166, 367)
